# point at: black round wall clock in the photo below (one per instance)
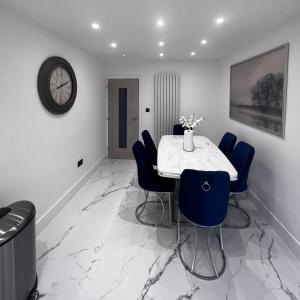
(57, 85)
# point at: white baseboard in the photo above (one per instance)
(44, 220)
(282, 231)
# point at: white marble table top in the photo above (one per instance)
(172, 159)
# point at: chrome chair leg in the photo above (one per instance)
(163, 208)
(147, 195)
(245, 215)
(192, 268)
(221, 237)
(141, 207)
(195, 248)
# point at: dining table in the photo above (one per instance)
(172, 159)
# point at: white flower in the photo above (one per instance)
(191, 123)
(182, 119)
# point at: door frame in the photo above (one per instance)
(107, 99)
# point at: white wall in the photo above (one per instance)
(199, 88)
(39, 150)
(275, 176)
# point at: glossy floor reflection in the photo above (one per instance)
(95, 249)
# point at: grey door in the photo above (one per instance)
(123, 117)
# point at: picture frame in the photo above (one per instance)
(258, 90)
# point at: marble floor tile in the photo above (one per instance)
(95, 249)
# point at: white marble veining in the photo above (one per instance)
(95, 249)
(172, 159)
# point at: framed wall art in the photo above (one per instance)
(258, 90)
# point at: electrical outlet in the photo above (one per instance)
(79, 163)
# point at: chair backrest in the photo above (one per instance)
(227, 143)
(145, 168)
(204, 196)
(178, 129)
(241, 158)
(151, 152)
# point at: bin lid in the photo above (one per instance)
(14, 218)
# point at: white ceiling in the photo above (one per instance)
(132, 24)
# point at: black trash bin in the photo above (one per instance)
(18, 280)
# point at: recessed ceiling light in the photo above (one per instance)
(203, 42)
(161, 44)
(95, 26)
(113, 45)
(220, 20)
(161, 54)
(193, 53)
(160, 23)
(123, 55)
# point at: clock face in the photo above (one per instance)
(60, 85)
(57, 85)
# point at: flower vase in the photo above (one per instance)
(188, 141)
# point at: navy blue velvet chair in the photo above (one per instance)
(151, 152)
(204, 200)
(227, 143)
(178, 129)
(150, 181)
(241, 158)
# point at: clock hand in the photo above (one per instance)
(60, 86)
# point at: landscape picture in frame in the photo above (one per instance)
(258, 89)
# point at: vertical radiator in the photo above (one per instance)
(166, 103)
